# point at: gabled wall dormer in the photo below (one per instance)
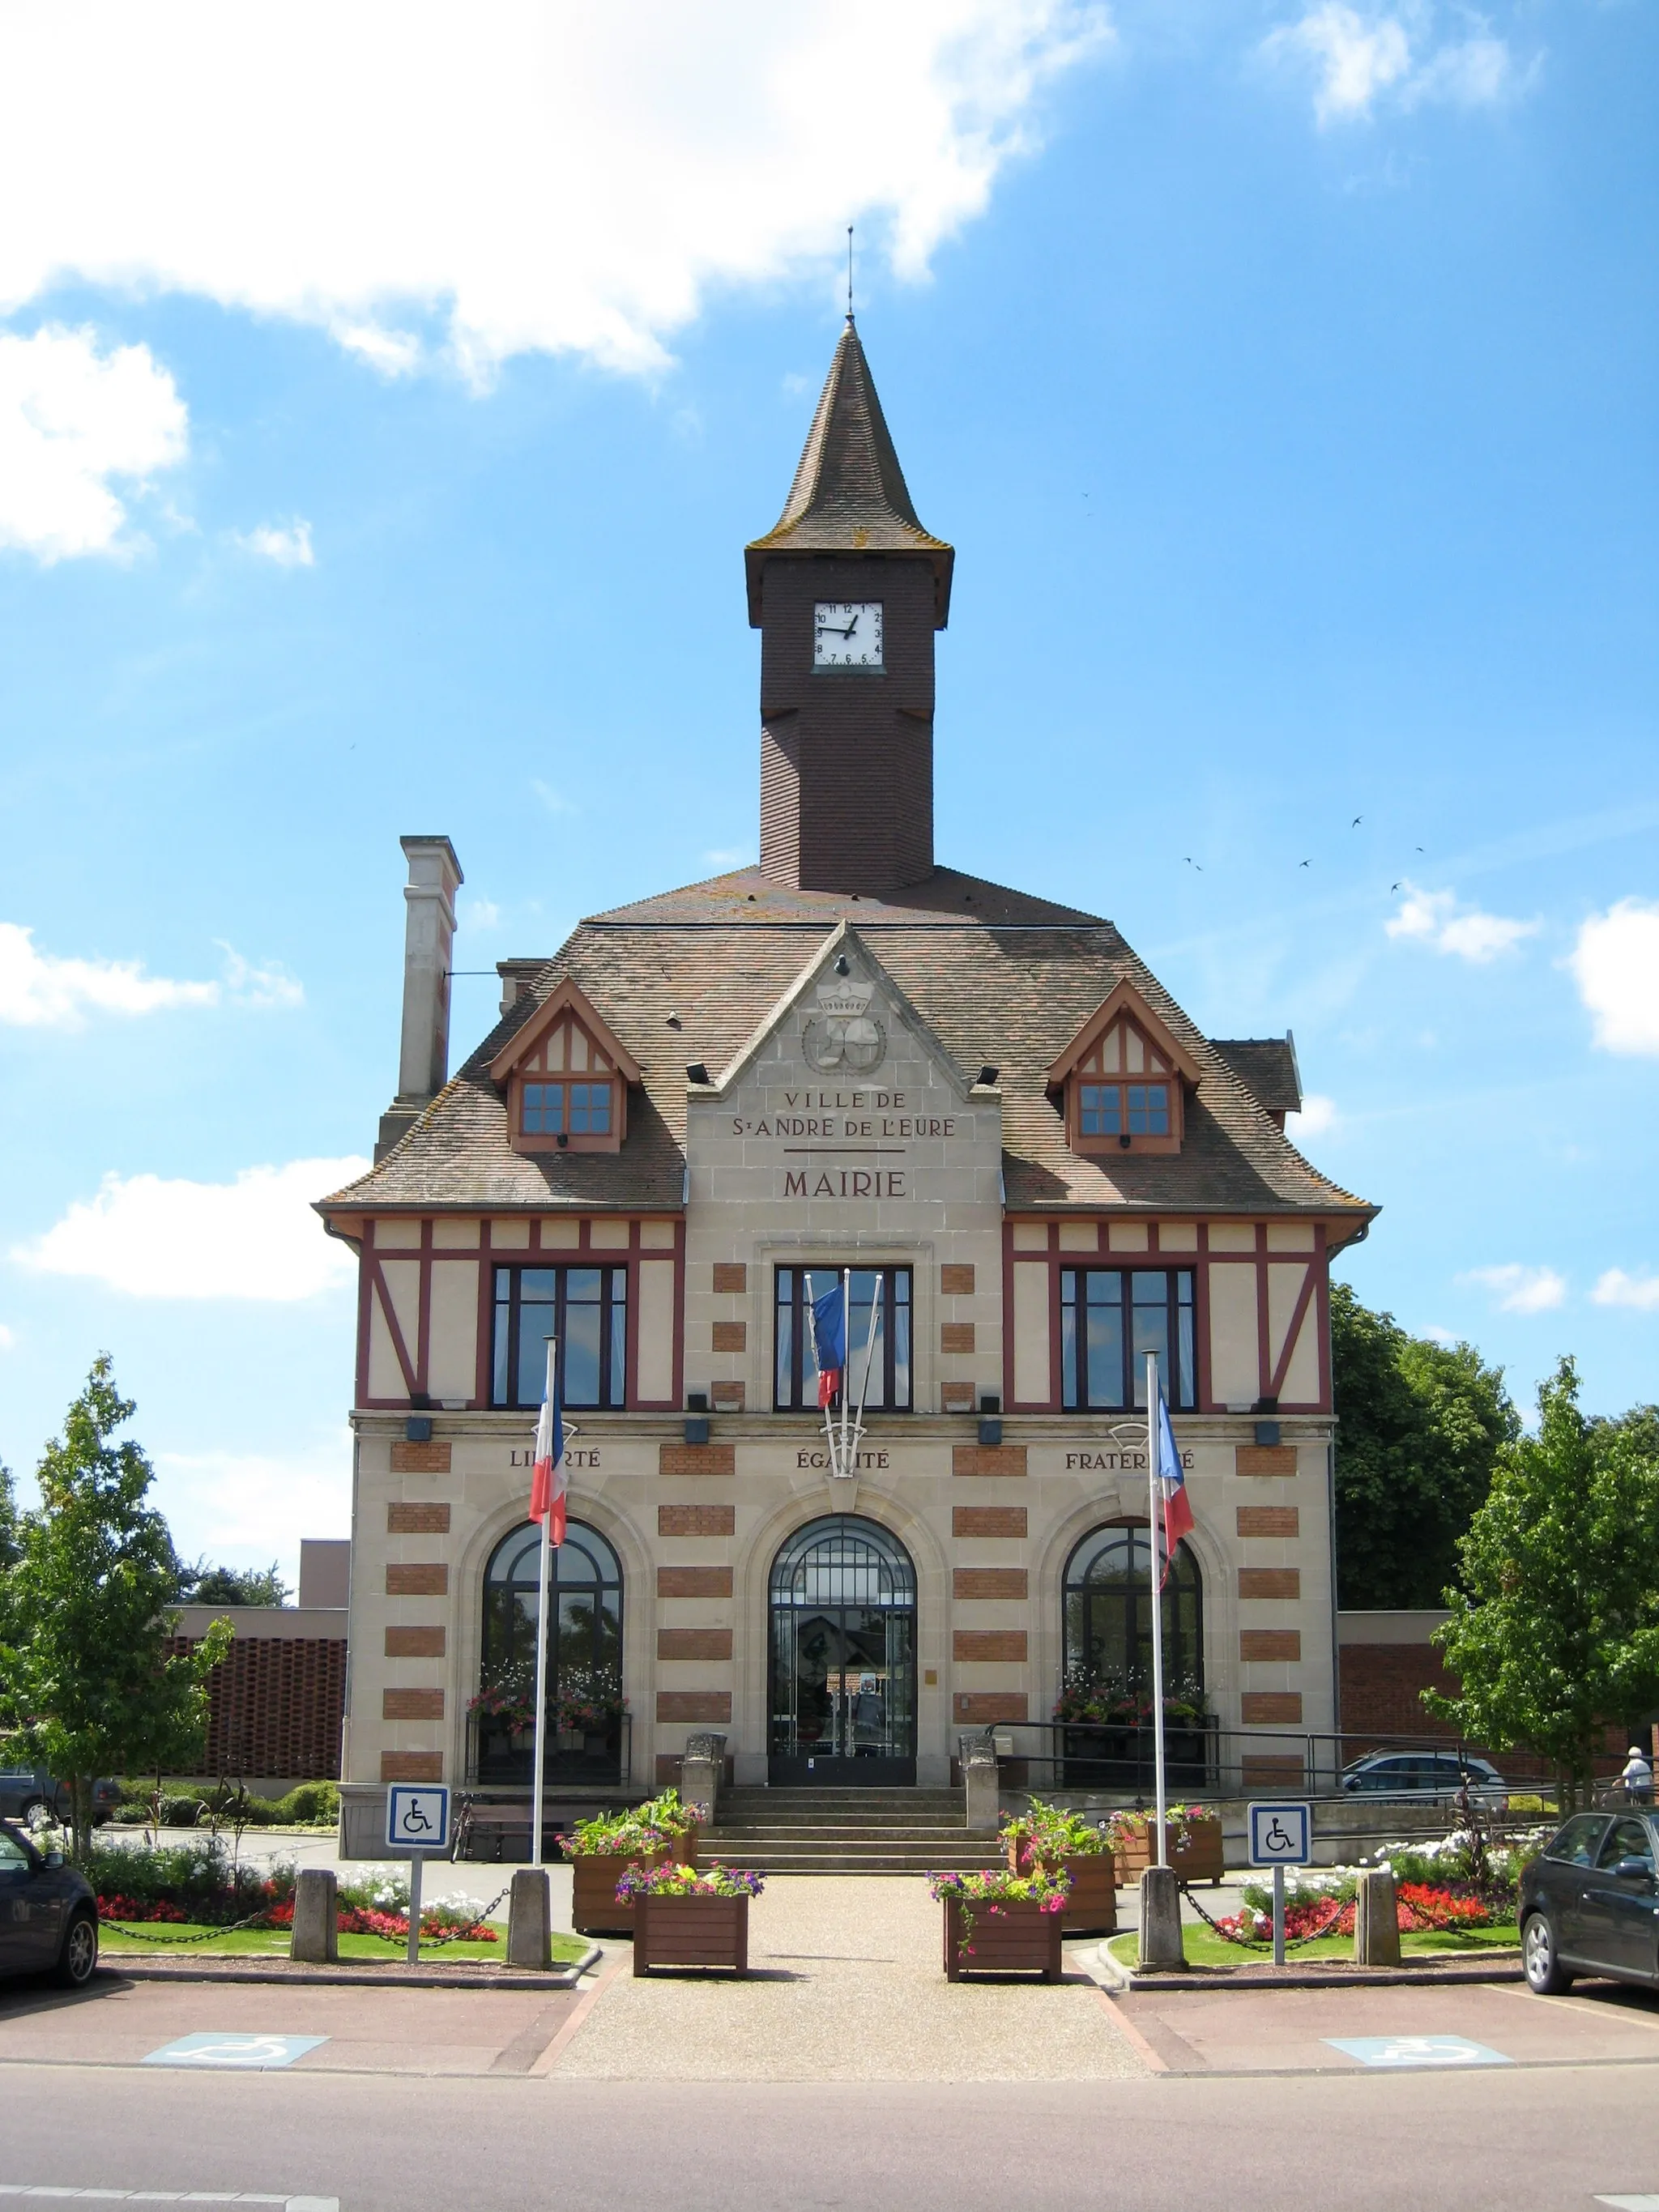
(1122, 1082)
(567, 1078)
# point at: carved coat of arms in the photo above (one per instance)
(840, 1035)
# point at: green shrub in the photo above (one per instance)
(133, 1811)
(180, 1812)
(313, 1802)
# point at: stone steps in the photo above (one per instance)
(845, 1832)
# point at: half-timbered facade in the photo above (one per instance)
(691, 1118)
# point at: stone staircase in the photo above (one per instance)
(844, 1831)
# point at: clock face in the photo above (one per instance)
(846, 634)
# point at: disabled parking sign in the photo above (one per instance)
(1281, 1835)
(417, 1817)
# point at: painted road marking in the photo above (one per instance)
(168, 2196)
(258, 2052)
(1417, 2051)
(1631, 2203)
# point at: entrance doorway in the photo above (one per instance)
(843, 1634)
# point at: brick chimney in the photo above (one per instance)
(435, 876)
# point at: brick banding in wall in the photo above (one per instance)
(697, 1459)
(727, 1397)
(1265, 1645)
(984, 1708)
(1266, 1459)
(1271, 1708)
(694, 1644)
(955, 1336)
(979, 1644)
(1271, 1773)
(1270, 1582)
(987, 1521)
(426, 1579)
(694, 1581)
(411, 1705)
(1269, 1519)
(695, 1705)
(416, 1643)
(275, 1707)
(731, 1278)
(990, 1582)
(955, 1280)
(411, 1767)
(988, 1459)
(731, 1336)
(697, 1520)
(420, 1459)
(956, 1397)
(417, 1520)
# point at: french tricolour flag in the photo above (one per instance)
(830, 1338)
(548, 1480)
(1172, 1481)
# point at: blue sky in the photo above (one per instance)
(1283, 374)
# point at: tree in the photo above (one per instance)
(1556, 1636)
(88, 1686)
(8, 1541)
(1420, 1426)
(202, 1584)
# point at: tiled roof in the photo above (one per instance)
(999, 978)
(1268, 1068)
(849, 495)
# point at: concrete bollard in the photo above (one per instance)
(702, 1771)
(316, 1917)
(528, 1920)
(982, 1785)
(1377, 1920)
(1161, 1944)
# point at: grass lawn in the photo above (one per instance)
(1203, 1949)
(272, 1943)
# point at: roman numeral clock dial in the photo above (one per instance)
(847, 635)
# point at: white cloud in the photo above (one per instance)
(8, 1338)
(38, 990)
(554, 801)
(1521, 1290)
(481, 914)
(1615, 965)
(287, 544)
(730, 856)
(246, 1508)
(1436, 1334)
(1317, 1118)
(1358, 57)
(1616, 1288)
(72, 419)
(256, 1237)
(1433, 917)
(535, 174)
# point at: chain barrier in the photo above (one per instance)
(1265, 1943)
(259, 1919)
(262, 1919)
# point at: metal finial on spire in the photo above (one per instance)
(849, 272)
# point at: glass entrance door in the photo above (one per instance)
(843, 1657)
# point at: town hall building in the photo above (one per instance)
(975, 1105)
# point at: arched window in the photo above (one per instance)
(843, 1606)
(1108, 1599)
(585, 1704)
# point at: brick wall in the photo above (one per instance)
(275, 1707)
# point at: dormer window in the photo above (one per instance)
(567, 1079)
(1120, 1084)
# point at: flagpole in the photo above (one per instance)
(1154, 1504)
(847, 1359)
(543, 1564)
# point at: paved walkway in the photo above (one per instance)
(846, 1985)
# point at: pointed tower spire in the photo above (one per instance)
(849, 495)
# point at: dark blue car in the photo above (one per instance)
(1590, 1903)
(48, 1913)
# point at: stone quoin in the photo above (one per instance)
(689, 1123)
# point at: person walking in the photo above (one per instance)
(1637, 1777)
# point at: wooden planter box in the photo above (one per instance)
(1017, 1938)
(1197, 1859)
(594, 1909)
(691, 1931)
(1091, 1908)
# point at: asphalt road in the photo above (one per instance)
(1512, 2140)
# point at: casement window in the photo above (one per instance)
(559, 1110)
(586, 1310)
(1122, 1082)
(795, 1364)
(1110, 1319)
(1117, 1109)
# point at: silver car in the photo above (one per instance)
(25, 1789)
(1427, 1778)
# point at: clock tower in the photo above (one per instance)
(847, 591)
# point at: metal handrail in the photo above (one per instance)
(557, 1765)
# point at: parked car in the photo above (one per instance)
(23, 1789)
(48, 1913)
(1590, 1903)
(1427, 1778)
